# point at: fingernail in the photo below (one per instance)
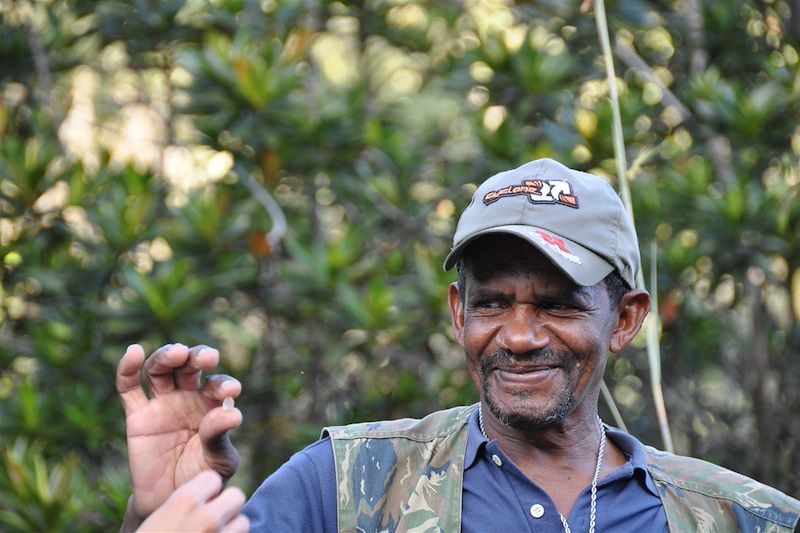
(227, 404)
(207, 350)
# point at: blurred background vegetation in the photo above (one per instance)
(281, 179)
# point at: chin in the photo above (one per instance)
(526, 413)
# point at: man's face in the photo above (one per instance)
(536, 343)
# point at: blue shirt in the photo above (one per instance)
(301, 495)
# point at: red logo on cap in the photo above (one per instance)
(549, 239)
(556, 245)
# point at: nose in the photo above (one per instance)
(523, 332)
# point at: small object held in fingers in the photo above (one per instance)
(227, 404)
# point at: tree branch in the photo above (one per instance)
(41, 65)
(645, 74)
(272, 207)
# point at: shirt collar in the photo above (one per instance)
(634, 452)
(628, 444)
(475, 441)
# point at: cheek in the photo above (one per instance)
(590, 354)
(588, 336)
(472, 354)
(475, 375)
(477, 337)
(587, 346)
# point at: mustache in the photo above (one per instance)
(544, 356)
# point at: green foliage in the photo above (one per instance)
(37, 492)
(128, 131)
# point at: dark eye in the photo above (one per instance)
(560, 307)
(487, 304)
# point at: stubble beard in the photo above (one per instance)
(529, 417)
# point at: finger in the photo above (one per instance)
(220, 386)
(129, 379)
(227, 505)
(240, 524)
(215, 425)
(161, 365)
(213, 430)
(201, 488)
(201, 358)
(217, 422)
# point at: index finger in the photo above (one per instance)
(129, 379)
(160, 367)
(201, 358)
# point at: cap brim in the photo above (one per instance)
(580, 264)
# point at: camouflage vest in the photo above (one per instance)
(406, 475)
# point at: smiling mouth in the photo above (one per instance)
(526, 374)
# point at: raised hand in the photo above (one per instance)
(181, 429)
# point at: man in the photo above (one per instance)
(546, 259)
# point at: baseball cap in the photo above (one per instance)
(574, 218)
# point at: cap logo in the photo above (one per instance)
(556, 245)
(538, 191)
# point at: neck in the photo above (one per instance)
(562, 459)
(571, 441)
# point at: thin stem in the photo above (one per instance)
(619, 141)
(652, 333)
(651, 327)
(612, 405)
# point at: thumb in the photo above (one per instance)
(219, 452)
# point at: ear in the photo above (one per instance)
(631, 312)
(456, 312)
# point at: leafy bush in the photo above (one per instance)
(138, 142)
